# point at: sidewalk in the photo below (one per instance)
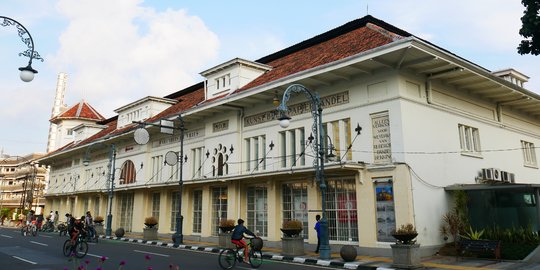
(361, 262)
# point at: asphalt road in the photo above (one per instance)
(44, 252)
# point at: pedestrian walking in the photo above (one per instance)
(318, 230)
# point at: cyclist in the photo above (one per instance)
(29, 217)
(238, 235)
(75, 229)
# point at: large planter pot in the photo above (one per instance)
(405, 238)
(291, 232)
(292, 246)
(150, 233)
(99, 228)
(119, 232)
(226, 229)
(406, 256)
(348, 253)
(225, 240)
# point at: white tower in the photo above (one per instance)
(58, 107)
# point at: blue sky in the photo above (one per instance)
(119, 51)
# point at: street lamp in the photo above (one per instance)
(112, 170)
(141, 136)
(27, 73)
(318, 148)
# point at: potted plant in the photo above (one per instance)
(226, 225)
(98, 219)
(98, 225)
(405, 234)
(291, 242)
(150, 231)
(292, 228)
(406, 252)
(150, 222)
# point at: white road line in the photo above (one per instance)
(47, 236)
(97, 256)
(24, 260)
(6, 236)
(157, 254)
(38, 243)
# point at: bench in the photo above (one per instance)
(480, 247)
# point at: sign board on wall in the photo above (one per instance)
(382, 147)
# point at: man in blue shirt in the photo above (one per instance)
(318, 230)
(238, 235)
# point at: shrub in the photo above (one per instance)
(405, 229)
(150, 221)
(98, 219)
(292, 224)
(226, 223)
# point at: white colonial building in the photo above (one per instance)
(406, 120)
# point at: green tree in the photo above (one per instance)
(530, 28)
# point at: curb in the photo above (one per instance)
(268, 256)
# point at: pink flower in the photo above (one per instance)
(122, 263)
(103, 258)
(149, 267)
(147, 257)
(87, 262)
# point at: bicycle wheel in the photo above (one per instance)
(255, 258)
(33, 230)
(23, 231)
(66, 249)
(227, 258)
(81, 248)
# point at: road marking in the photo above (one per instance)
(24, 260)
(157, 254)
(97, 256)
(6, 236)
(38, 243)
(48, 236)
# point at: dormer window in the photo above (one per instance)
(230, 76)
(223, 82)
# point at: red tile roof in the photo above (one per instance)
(347, 40)
(81, 110)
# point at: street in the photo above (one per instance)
(44, 251)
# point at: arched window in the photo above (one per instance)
(128, 174)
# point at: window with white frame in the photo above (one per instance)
(292, 147)
(338, 139)
(125, 210)
(255, 148)
(469, 138)
(219, 207)
(257, 210)
(174, 209)
(529, 153)
(341, 210)
(156, 200)
(197, 155)
(295, 204)
(157, 168)
(197, 211)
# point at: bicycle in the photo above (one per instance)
(91, 235)
(79, 248)
(48, 227)
(29, 229)
(62, 228)
(228, 256)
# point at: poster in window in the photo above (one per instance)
(386, 217)
(347, 208)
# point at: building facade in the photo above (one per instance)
(404, 121)
(22, 184)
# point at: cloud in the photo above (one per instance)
(113, 58)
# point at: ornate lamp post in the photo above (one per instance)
(141, 136)
(27, 73)
(112, 170)
(318, 147)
